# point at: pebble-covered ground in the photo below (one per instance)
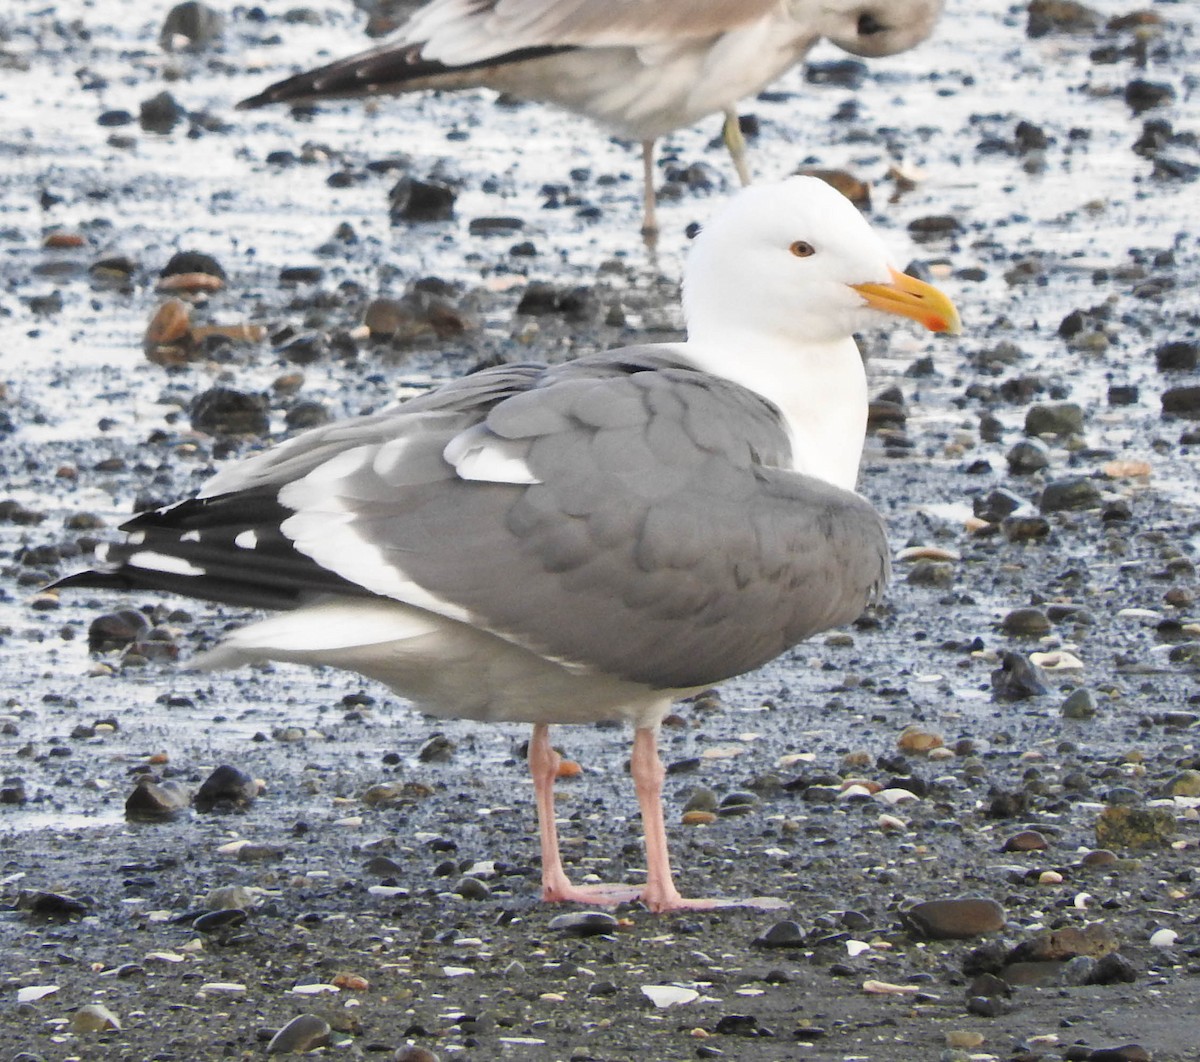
(980, 804)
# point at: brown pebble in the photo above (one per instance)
(1025, 841)
(1030, 622)
(1125, 827)
(916, 739)
(853, 188)
(956, 919)
(191, 282)
(698, 818)
(63, 240)
(1098, 857)
(1095, 939)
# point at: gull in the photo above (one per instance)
(639, 68)
(589, 541)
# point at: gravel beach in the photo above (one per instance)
(980, 803)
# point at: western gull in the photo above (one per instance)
(583, 542)
(640, 69)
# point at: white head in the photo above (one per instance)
(870, 28)
(796, 261)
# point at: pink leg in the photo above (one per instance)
(543, 766)
(660, 893)
(650, 212)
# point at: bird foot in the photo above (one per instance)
(608, 894)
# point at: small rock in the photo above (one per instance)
(954, 919)
(226, 789)
(213, 921)
(155, 801)
(1124, 1053)
(414, 200)
(224, 411)
(1095, 939)
(1026, 622)
(584, 923)
(1028, 456)
(1024, 528)
(116, 630)
(1182, 401)
(917, 740)
(305, 1032)
(1184, 784)
(1142, 95)
(53, 905)
(1016, 679)
(1025, 841)
(1061, 16)
(190, 26)
(94, 1017)
(1070, 492)
(161, 113)
(1054, 418)
(470, 888)
(1133, 827)
(438, 749)
(1080, 704)
(1163, 938)
(783, 934)
(1178, 356)
(412, 1053)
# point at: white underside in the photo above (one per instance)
(448, 668)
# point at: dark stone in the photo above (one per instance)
(1182, 401)
(934, 227)
(847, 73)
(783, 934)
(1141, 95)
(304, 1033)
(155, 801)
(584, 924)
(310, 274)
(53, 905)
(1060, 16)
(225, 918)
(438, 749)
(1054, 418)
(414, 200)
(1016, 679)
(493, 226)
(1068, 493)
(192, 262)
(738, 1025)
(1179, 356)
(541, 299)
(161, 113)
(1024, 528)
(116, 630)
(996, 505)
(197, 23)
(956, 919)
(227, 788)
(1026, 456)
(304, 348)
(223, 411)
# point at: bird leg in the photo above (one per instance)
(736, 143)
(650, 201)
(556, 887)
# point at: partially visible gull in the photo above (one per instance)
(640, 68)
(589, 541)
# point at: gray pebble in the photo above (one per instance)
(1054, 418)
(954, 919)
(1070, 492)
(1080, 704)
(583, 923)
(303, 1033)
(1026, 456)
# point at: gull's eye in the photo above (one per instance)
(869, 25)
(802, 249)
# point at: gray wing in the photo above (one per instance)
(622, 513)
(453, 43)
